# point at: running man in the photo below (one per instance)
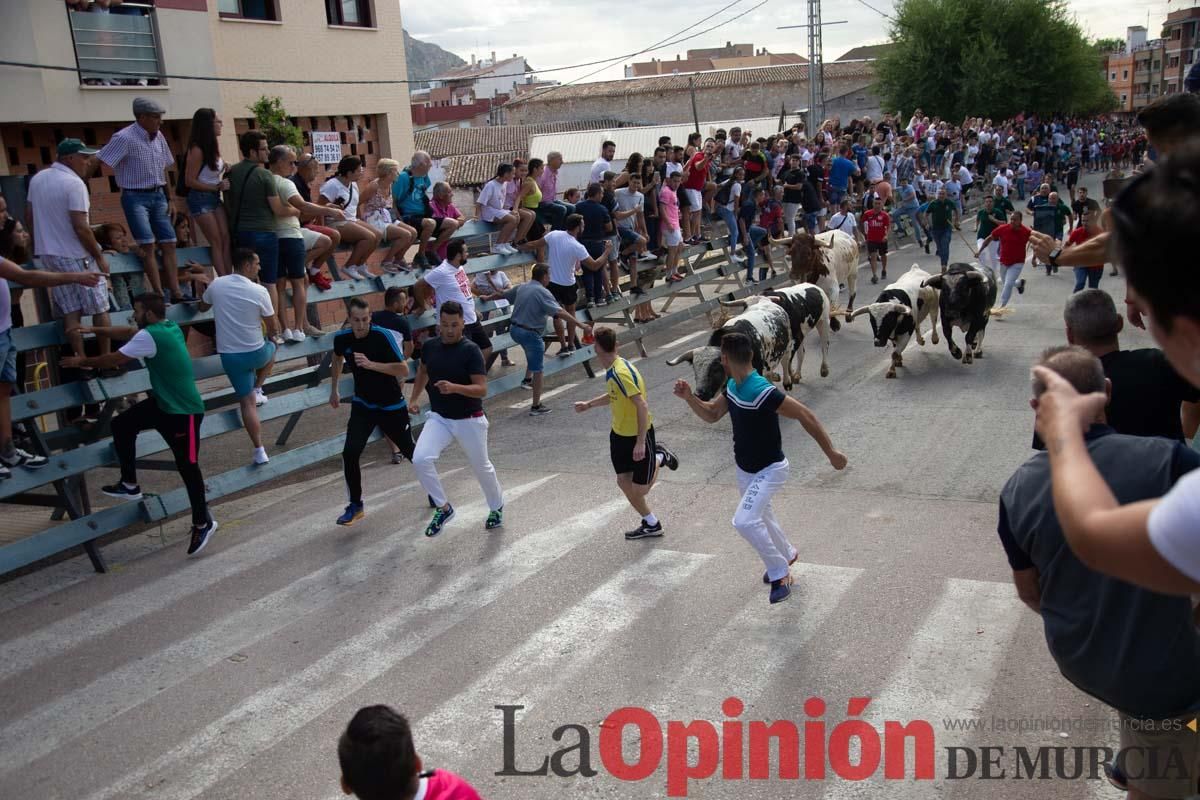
(635, 455)
(175, 409)
(754, 406)
(452, 367)
(376, 359)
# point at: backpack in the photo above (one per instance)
(724, 192)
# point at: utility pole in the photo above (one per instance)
(816, 68)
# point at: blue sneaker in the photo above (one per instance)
(440, 517)
(781, 589)
(353, 513)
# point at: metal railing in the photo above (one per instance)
(118, 48)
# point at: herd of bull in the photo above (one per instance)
(778, 321)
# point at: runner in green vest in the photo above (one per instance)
(175, 409)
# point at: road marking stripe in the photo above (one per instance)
(681, 340)
(528, 402)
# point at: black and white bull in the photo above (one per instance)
(767, 326)
(899, 312)
(966, 296)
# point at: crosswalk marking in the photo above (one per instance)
(264, 718)
(75, 713)
(527, 402)
(541, 661)
(65, 634)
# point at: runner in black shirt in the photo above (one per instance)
(391, 318)
(452, 367)
(376, 360)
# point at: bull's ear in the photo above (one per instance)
(974, 276)
(935, 282)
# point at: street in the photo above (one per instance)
(232, 675)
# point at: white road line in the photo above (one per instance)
(671, 345)
(556, 390)
(947, 671)
(268, 716)
(74, 713)
(541, 662)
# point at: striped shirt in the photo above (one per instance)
(137, 160)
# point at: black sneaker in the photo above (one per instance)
(440, 517)
(645, 531)
(883, 274)
(397, 458)
(1021, 286)
(200, 536)
(539, 410)
(527, 383)
(120, 490)
(670, 460)
(927, 243)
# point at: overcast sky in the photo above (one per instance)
(552, 33)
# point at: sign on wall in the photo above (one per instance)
(327, 147)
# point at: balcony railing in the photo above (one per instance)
(118, 48)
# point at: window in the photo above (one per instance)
(267, 10)
(1125, 75)
(1124, 97)
(1157, 66)
(1112, 76)
(1191, 56)
(356, 13)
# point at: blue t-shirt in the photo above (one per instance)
(839, 172)
(595, 218)
(860, 155)
(410, 192)
(754, 412)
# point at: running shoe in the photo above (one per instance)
(527, 383)
(781, 589)
(20, 458)
(120, 490)
(200, 536)
(793, 561)
(670, 460)
(397, 458)
(353, 513)
(440, 517)
(260, 397)
(494, 519)
(539, 410)
(645, 531)
(1021, 286)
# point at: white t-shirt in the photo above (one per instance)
(450, 283)
(600, 166)
(287, 227)
(735, 194)
(846, 223)
(54, 193)
(874, 168)
(1174, 526)
(239, 307)
(140, 346)
(964, 176)
(627, 199)
(673, 167)
(563, 254)
(492, 282)
(1001, 181)
(342, 196)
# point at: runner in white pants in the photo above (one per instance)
(452, 367)
(754, 406)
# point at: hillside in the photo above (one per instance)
(426, 59)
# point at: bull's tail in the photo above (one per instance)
(835, 324)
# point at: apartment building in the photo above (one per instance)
(1180, 46)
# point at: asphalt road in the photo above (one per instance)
(231, 675)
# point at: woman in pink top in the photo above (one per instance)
(668, 211)
(443, 208)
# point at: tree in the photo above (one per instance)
(1110, 45)
(271, 118)
(992, 58)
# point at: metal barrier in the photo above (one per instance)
(73, 453)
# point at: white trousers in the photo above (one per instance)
(989, 257)
(471, 434)
(756, 522)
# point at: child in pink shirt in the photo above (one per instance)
(668, 210)
(378, 759)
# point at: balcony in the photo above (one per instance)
(117, 49)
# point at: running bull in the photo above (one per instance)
(899, 312)
(829, 260)
(966, 296)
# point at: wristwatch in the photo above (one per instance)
(1053, 257)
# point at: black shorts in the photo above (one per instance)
(478, 335)
(877, 247)
(415, 221)
(620, 448)
(681, 193)
(565, 295)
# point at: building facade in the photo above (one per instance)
(1179, 47)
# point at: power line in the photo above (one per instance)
(888, 17)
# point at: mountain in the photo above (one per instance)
(426, 59)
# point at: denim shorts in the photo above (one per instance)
(265, 244)
(531, 343)
(8, 358)
(242, 367)
(291, 257)
(148, 217)
(203, 202)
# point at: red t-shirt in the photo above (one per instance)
(1079, 236)
(697, 169)
(1012, 242)
(875, 224)
(443, 785)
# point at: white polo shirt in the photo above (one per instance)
(54, 193)
(239, 307)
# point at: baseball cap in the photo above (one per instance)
(69, 147)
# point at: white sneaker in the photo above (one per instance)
(647, 257)
(260, 397)
(260, 455)
(298, 336)
(499, 250)
(510, 250)
(736, 258)
(354, 272)
(287, 335)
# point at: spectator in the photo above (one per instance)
(449, 281)
(122, 288)
(342, 192)
(695, 184)
(841, 170)
(527, 199)
(669, 223)
(845, 221)
(12, 232)
(490, 208)
(597, 240)
(139, 155)
(292, 257)
(175, 408)
(411, 191)
(772, 213)
(937, 219)
(253, 203)
(241, 306)
(10, 455)
(552, 211)
(754, 164)
(793, 179)
(729, 201)
(753, 235)
(602, 164)
(204, 180)
(442, 205)
(1147, 662)
(532, 304)
(1089, 227)
(319, 240)
(376, 211)
(631, 222)
(56, 211)
(565, 254)
(317, 243)
(876, 224)
(378, 761)
(490, 286)
(572, 196)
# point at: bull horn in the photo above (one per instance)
(903, 309)
(688, 356)
(974, 275)
(859, 312)
(734, 304)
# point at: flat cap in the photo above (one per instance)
(147, 105)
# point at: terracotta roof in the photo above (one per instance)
(478, 169)
(753, 76)
(866, 51)
(497, 139)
